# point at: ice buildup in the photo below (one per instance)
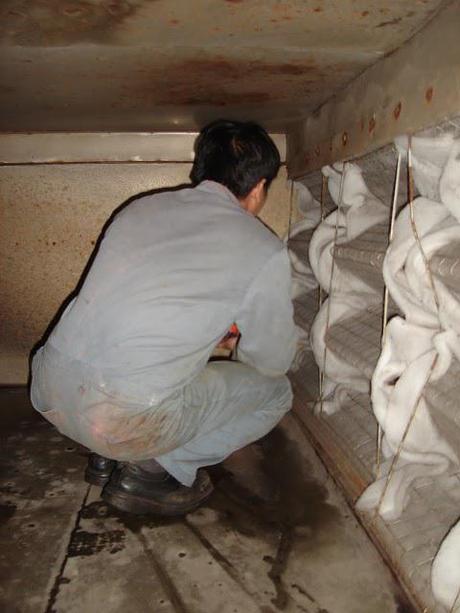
(421, 343)
(349, 294)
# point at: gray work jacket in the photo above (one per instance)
(173, 271)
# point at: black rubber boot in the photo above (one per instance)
(134, 490)
(99, 470)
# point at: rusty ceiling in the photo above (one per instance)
(165, 65)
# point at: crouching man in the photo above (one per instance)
(126, 370)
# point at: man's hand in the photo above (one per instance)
(228, 342)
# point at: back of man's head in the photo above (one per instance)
(236, 154)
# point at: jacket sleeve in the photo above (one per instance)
(268, 334)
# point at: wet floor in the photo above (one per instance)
(275, 536)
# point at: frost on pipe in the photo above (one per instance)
(420, 345)
(303, 279)
(358, 210)
(420, 349)
(414, 382)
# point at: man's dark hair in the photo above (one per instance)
(236, 154)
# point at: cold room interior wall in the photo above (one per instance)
(51, 216)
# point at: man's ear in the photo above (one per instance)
(260, 189)
(255, 200)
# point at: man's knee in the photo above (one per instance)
(282, 396)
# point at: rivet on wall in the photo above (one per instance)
(372, 123)
(429, 94)
(344, 139)
(397, 110)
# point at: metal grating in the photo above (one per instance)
(356, 427)
(445, 264)
(300, 244)
(411, 542)
(445, 393)
(414, 539)
(363, 256)
(357, 340)
(442, 397)
(305, 308)
(305, 382)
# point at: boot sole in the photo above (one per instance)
(130, 503)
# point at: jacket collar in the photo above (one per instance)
(218, 188)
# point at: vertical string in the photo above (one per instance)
(385, 296)
(328, 311)
(322, 209)
(320, 289)
(291, 206)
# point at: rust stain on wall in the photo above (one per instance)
(63, 23)
(390, 22)
(102, 85)
(397, 110)
(225, 82)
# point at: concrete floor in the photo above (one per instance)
(276, 535)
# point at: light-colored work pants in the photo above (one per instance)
(226, 407)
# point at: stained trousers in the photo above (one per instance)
(227, 406)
